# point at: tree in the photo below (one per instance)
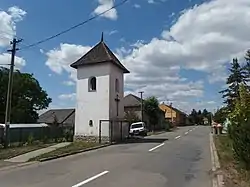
(193, 117)
(205, 113)
(131, 117)
(239, 129)
(246, 68)
(199, 118)
(151, 107)
(220, 115)
(27, 97)
(234, 80)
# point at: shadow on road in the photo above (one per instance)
(139, 139)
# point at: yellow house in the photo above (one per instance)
(173, 115)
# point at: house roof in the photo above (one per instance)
(131, 100)
(99, 54)
(175, 109)
(62, 115)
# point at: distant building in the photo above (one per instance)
(64, 117)
(174, 115)
(132, 103)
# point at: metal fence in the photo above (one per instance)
(26, 134)
(113, 131)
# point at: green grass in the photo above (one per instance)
(71, 148)
(234, 176)
(15, 151)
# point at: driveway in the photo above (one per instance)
(175, 159)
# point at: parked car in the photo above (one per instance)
(138, 128)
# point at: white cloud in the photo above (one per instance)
(8, 20)
(5, 61)
(105, 5)
(155, 1)
(70, 96)
(204, 38)
(69, 83)
(59, 59)
(16, 13)
(137, 6)
(112, 32)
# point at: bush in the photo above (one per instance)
(68, 134)
(239, 129)
(30, 139)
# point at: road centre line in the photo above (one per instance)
(90, 179)
(156, 147)
(186, 133)
(177, 137)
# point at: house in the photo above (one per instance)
(132, 103)
(63, 117)
(173, 115)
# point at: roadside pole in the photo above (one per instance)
(9, 91)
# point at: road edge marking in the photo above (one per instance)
(90, 179)
(218, 178)
(152, 149)
(177, 137)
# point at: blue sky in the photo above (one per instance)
(176, 51)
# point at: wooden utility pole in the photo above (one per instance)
(9, 91)
(141, 105)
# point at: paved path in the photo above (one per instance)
(25, 157)
(181, 161)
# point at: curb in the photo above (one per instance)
(217, 180)
(73, 153)
(17, 165)
(157, 133)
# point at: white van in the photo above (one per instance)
(138, 128)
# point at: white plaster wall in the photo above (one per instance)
(116, 73)
(92, 105)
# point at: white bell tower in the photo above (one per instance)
(99, 91)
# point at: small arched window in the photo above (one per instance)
(92, 84)
(117, 85)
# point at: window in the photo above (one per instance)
(137, 125)
(92, 84)
(116, 85)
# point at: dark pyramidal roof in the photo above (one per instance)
(99, 54)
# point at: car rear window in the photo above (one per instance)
(136, 126)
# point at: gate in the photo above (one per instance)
(113, 131)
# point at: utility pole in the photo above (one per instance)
(141, 92)
(9, 91)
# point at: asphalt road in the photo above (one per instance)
(174, 159)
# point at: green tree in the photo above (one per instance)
(220, 115)
(234, 80)
(239, 129)
(27, 97)
(247, 66)
(205, 113)
(199, 117)
(193, 117)
(151, 107)
(131, 117)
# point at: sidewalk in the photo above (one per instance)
(25, 157)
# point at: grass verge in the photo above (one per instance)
(234, 176)
(15, 151)
(71, 148)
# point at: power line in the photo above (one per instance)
(75, 26)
